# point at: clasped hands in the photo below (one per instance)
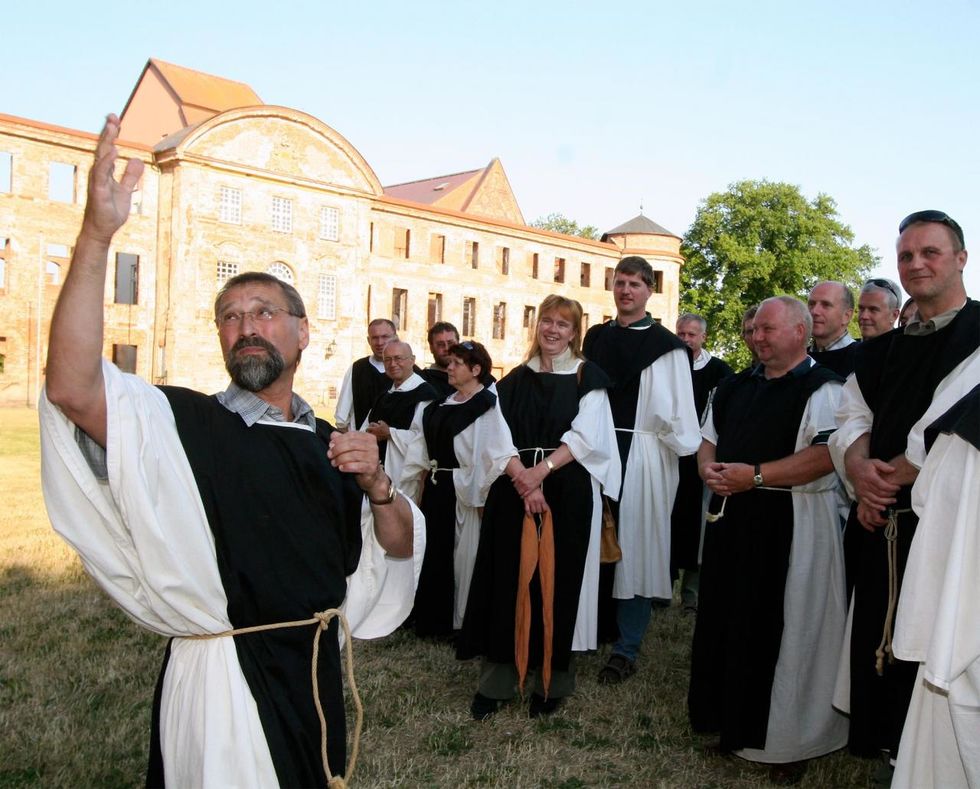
(874, 490)
(527, 483)
(728, 478)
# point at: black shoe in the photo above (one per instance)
(542, 706)
(483, 708)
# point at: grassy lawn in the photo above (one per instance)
(77, 677)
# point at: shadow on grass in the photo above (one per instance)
(76, 684)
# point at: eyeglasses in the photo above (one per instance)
(396, 359)
(940, 217)
(261, 315)
(885, 285)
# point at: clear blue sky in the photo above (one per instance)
(591, 107)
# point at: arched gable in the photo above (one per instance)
(275, 141)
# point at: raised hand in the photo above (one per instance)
(109, 200)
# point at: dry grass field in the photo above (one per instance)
(76, 680)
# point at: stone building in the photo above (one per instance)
(230, 185)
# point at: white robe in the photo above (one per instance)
(145, 539)
(483, 449)
(666, 427)
(401, 443)
(802, 723)
(938, 623)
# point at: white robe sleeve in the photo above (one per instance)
(483, 449)
(344, 413)
(672, 414)
(854, 419)
(592, 441)
(401, 457)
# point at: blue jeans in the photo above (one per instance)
(632, 617)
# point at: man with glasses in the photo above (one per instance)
(831, 306)
(365, 380)
(904, 380)
(201, 516)
(395, 419)
(442, 336)
(878, 307)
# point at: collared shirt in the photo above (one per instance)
(414, 381)
(702, 359)
(919, 328)
(841, 342)
(642, 323)
(760, 370)
(251, 408)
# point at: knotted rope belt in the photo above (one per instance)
(322, 620)
(714, 517)
(891, 543)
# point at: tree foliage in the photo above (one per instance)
(760, 239)
(559, 223)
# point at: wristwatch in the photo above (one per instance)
(757, 479)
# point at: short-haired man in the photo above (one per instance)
(204, 515)
(904, 380)
(747, 328)
(365, 380)
(771, 614)
(653, 408)
(442, 336)
(878, 307)
(831, 305)
(395, 419)
(687, 519)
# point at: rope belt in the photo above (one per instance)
(714, 517)
(638, 432)
(433, 468)
(322, 620)
(891, 541)
(539, 453)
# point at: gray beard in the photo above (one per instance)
(254, 373)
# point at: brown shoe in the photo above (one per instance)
(788, 774)
(617, 669)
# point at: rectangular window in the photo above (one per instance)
(4, 250)
(6, 171)
(58, 255)
(437, 249)
(503, 260)
(585, 277)
(606, 318)
(327, 297)
(399, 308)
(610, 277)
(528, 320)
(534, 265)
(472, 253)
(658, 282)
(224, 271)
(230, 205)
(559, 269)
(61, 182)
(403, 241)
(435, 309)
(469, 317)
(371, 237)
(52, 273)
(499, 321)
(127, 278)
(329, 223)
(282, 215)
(124, 357)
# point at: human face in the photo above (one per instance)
(379, 335)
(461, 377)
(259, 352)
(748, 326)
(830, 316)
(555, 332)
(779, 340)
(874, 317)
(931, 272)
(691, 335)
(631, 294)
(398, 361)
(440, 344)
(908, 311)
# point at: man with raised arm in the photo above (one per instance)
(903, 381)
(203, 515)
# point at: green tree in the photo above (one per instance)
(559, 223)
(762, 239)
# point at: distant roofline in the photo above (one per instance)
(67, 130)
(435, 178)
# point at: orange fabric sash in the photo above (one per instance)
(537, 552)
